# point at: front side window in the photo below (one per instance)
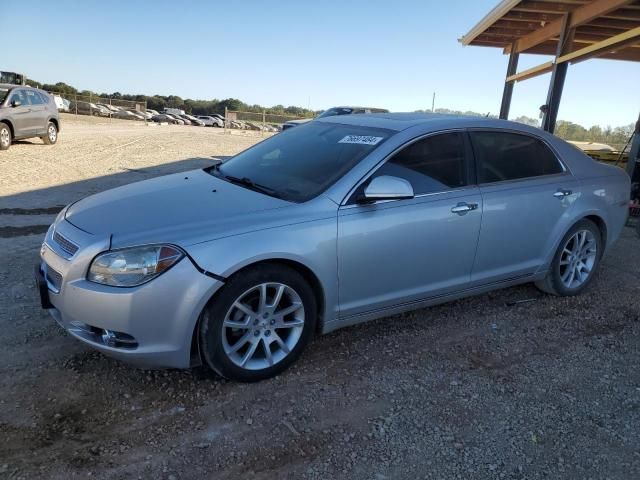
(300, 163)
(433, 164)
(502, 156)
(18, 96)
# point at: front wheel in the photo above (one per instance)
(575, 262)
(258, 324)
(52, 134)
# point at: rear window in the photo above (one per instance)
(3, 94)
(302, 162)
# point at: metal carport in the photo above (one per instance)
(571, 30)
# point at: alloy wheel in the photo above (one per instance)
(5, 137)
(263, 326)
(53, 133)
(578, 258)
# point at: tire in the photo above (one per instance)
(572, 271)
(5, 136)
(52, 134)
(235, 332)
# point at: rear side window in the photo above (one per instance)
(33, 97)
(433, 164)
(502, 156)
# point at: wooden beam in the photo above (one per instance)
(624, 14)
(619, 41)
(508, 32)
(579, 16)
(630, 53)
(543, 7)
(613, 23)
(526, 24)
(530, 17)
(531, 72)
(606, 32)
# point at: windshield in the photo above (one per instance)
(335, 111)
(300, 163)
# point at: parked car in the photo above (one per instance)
(27, 112)
(110, 108)
(164, 118)
(128, 115)
(145, 115)
(246, 261)
(332, 112)
(178, 120)
(88, 108)
(193, 120)
(62, 104)
(210, 121)
(152, 112)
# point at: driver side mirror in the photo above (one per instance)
(16, 103)
(386, 187)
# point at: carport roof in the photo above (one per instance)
(603, 28)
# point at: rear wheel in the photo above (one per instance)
(52, 134)
(258, 324)
(5, 136)
(575, 261)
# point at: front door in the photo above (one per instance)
(398, 251)
(20, 113)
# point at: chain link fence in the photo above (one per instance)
(260, 122)
(101, 106)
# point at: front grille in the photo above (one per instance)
(66, 245)
(53, 277)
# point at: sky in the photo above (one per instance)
(390, 54)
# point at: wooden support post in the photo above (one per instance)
(558, 75)
(507, 93)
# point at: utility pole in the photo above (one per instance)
(433, 103)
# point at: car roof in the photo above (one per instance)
(437, 121)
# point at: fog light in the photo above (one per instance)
(109, 338)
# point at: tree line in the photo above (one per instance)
(194, 107)
(616, 137)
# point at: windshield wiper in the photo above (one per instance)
(250, 184)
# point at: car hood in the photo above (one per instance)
(182, 208)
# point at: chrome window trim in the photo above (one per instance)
(565, 168)
(472, 188)
(379, 165)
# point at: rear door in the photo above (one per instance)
(38, 115)
(527, 192)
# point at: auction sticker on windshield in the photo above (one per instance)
(361, 139)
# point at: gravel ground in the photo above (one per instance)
(478, 388)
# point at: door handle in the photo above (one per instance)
(562, 193)
(463, 207)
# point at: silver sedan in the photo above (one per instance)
(342, 220)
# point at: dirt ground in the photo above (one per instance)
(478, 388)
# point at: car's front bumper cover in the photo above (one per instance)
(151, 325)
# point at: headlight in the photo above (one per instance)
(130, 267)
